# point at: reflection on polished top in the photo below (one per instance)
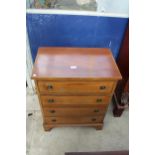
(62, 62)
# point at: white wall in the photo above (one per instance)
(113, 6)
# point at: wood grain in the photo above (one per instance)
(74, 101)
(73, 120)
(68, 87)
(74, 111)
(87, 63)
(74, 85)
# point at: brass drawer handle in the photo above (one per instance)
(50, 100)
(93, 119)
(99, 100)
(52, 111)
(96, 110)
(49, 87)
(54, 120)
(102, 87)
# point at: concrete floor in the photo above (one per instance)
(114, 136)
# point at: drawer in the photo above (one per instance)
(73, 120)
(74, 111)
(75, 87)
(56, 101)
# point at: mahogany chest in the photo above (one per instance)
(74, 85)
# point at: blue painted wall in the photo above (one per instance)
(75, 31)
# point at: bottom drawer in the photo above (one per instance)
(73, 120)
(52, 112)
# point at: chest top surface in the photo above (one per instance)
(64, 62)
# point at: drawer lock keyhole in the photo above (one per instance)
(50, 100)
(93, 119)
(52, 111)
(99, 100)
(96, 110)
(102, 87)
(49, 87)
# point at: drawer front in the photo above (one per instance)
(73, 120)
(56, 101)
(75, 87)
(74, 111)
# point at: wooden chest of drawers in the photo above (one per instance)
(74, 85)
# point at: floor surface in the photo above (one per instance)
(114, 135)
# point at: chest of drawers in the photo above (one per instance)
(74, 85)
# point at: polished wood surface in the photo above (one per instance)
(70, 87)
(74, 101)
(74, 85)
(74, 63)
(75, 120)
(74, 111)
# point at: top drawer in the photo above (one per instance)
(52, 87)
